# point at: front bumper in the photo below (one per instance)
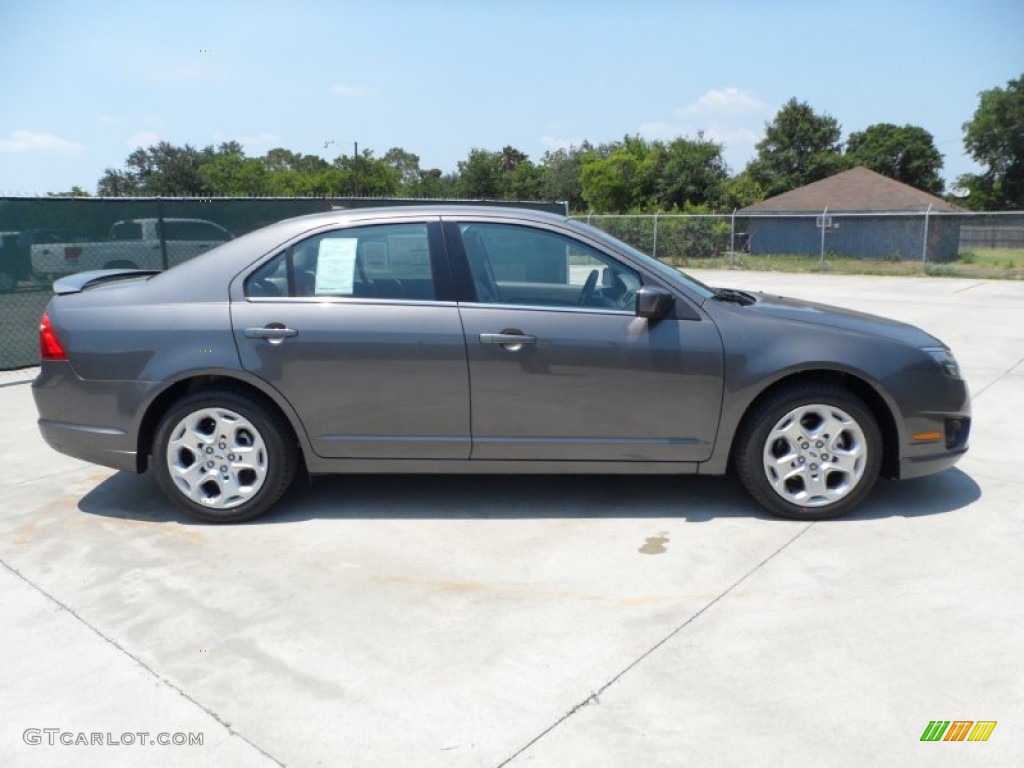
(922, 458)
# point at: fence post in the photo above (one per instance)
(163, 235)
(824, 220)
(924, 247)
(655, 254)
(732, 237)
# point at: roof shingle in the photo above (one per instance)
(856, 190)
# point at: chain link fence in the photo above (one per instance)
(42, 239)
(986, 244)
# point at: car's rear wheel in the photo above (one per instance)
(223, 456)
(809, 452)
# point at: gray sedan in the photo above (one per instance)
(459, 339)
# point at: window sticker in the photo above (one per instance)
(336, 266)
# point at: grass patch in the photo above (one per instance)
(988, 263)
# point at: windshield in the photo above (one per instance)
(664, 269)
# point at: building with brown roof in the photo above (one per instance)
(864, 214)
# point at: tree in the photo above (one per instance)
(994, 137)
(636, 174)
(280, 159)
(291, 173)
(478, 175)
(741, 191)
(905, 153)
(560, 175)
(505, 175)
(611, 184)
(162, 169)
(799, 147)
(75, 191)
(407, 165)
(234, 174)
(694, 173)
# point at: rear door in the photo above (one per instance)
(358, 329)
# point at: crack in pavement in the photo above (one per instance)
(594, 697)
(1008, 372)
(63, 606)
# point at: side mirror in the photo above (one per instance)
(653, 303)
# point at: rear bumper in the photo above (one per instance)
(97, 445)
(94, 421)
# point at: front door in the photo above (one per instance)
(562, 369)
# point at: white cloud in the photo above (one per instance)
(553, 142)
(143, 139)
(259, 140)
(351, 91)
(28, 141)
(727, 101)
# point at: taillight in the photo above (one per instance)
(49, 346)
(72, 253)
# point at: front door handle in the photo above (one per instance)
(511, 340)
(275, 333)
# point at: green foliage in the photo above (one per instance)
(741, 191)
(236, 175)
(799, 147)
(905, 153)
(994, 137)
(560, 175)
(75, 191)
(637, 174)
(613, 184)
(162, 169)
(694, 173)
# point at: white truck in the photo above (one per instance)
(132, 244)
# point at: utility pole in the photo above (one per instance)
(355, 169)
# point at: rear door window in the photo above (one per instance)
(389, 261)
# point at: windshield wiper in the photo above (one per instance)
(734, 296)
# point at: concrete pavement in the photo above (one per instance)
(478, 621)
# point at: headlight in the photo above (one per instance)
(945, 359)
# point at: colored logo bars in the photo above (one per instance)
(958, 730)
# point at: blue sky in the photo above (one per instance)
(83, 83)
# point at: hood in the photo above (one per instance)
(841, 319)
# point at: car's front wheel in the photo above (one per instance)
(809, 452)
(223, 456)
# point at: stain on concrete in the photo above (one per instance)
(654, 545)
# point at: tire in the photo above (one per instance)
(809, 452)
(248, 456)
